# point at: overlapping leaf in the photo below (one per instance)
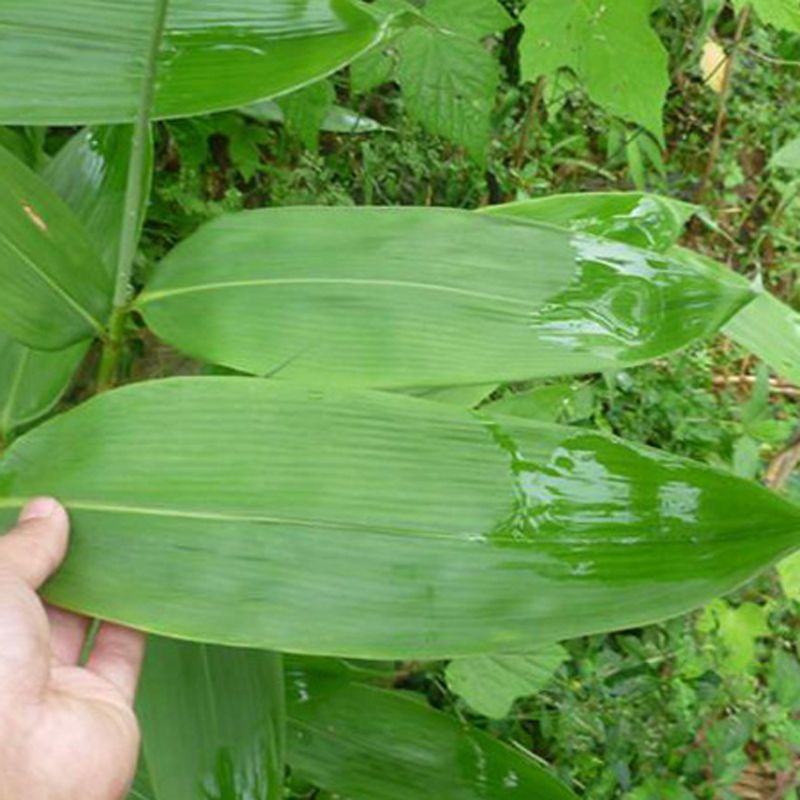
(90, 174)
(212, 721)
(643, 220)
(610, 46)
(251, 512)
(362, 742)
(32, 381)
(781, 13)
(213, 54)
(490, 684)
(765, 326)
(423, 297)
(55, 289)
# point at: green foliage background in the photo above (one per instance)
(463, 111)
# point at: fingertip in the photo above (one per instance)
(43, 508)
(37, 545)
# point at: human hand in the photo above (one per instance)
(66, 732)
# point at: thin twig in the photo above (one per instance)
(722, 113)
(530, 122)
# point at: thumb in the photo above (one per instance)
(33, 550)
(29, 554)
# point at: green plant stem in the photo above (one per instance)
(112, 350)
(131, 215)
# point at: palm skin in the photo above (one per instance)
(66, 731)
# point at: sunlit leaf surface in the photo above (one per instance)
(407, 297)
(252, 512)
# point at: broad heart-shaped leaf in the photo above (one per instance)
(360, 742)
(55, 289)
(213, 54)
(449, 84)
(251, 512)
(90, 173)
(475, 19)
(213, 721)
(406, 297)
(781, 13)
(644, 220)
(490, 684)
(610, 46)
(32, 381)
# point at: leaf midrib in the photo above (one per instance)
(375, 530)
(153, 296)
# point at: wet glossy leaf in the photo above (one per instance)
(490, 684)
(214, 54)
(781, 13)
(361, 742)
(588, 36)
(212, 721)
(766, 326)
(55, 289)
(644, 220)
(252, 512)
(411, 297)
(90, 173)
(337, 120)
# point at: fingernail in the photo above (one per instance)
(39, 508)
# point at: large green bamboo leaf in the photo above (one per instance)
(410, 297)
(252, 512)
(55, 290)
(644, 220)
(766, 327)
(365, 743)
(213, 54)
(212, 721)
